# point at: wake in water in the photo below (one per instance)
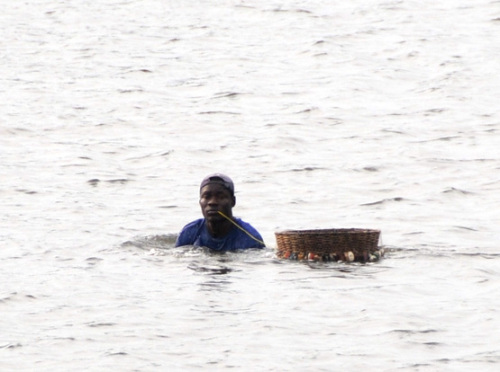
(164, 245)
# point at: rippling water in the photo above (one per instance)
(374, 114)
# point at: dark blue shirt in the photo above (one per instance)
(196, 233)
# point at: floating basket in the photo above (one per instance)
(329, 244)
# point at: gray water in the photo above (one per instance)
(372, 114)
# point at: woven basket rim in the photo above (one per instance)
(353, 230)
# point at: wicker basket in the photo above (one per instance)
(329, 244)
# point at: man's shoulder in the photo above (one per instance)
(194, 224)
(189, 233)
(245, 224)
(249, 230)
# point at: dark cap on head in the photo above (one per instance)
(219, 178)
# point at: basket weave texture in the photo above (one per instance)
(328, 243)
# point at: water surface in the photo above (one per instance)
(373, 114)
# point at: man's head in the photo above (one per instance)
(219, 178)
(217, 194)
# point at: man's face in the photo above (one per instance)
(213, 198)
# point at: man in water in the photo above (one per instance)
(219, 230)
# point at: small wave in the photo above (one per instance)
(211, 270)
(218, 112)
(27, 192)
(413, 331)
(479, 254)
(103, 324)
(444, 138)
(307, 110)
(16, 296)
(119, 180)
(95, 181)
(133, 90)
(453, 190)
(152, 242)
(11, 346)
(306, 169)
(227, 95)
(384, 201)
(465, 228)
(298, 10)
(92, 261)
(144, 70)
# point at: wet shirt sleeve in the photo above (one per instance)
(189, 234)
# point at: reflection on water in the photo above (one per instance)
(210, 270)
